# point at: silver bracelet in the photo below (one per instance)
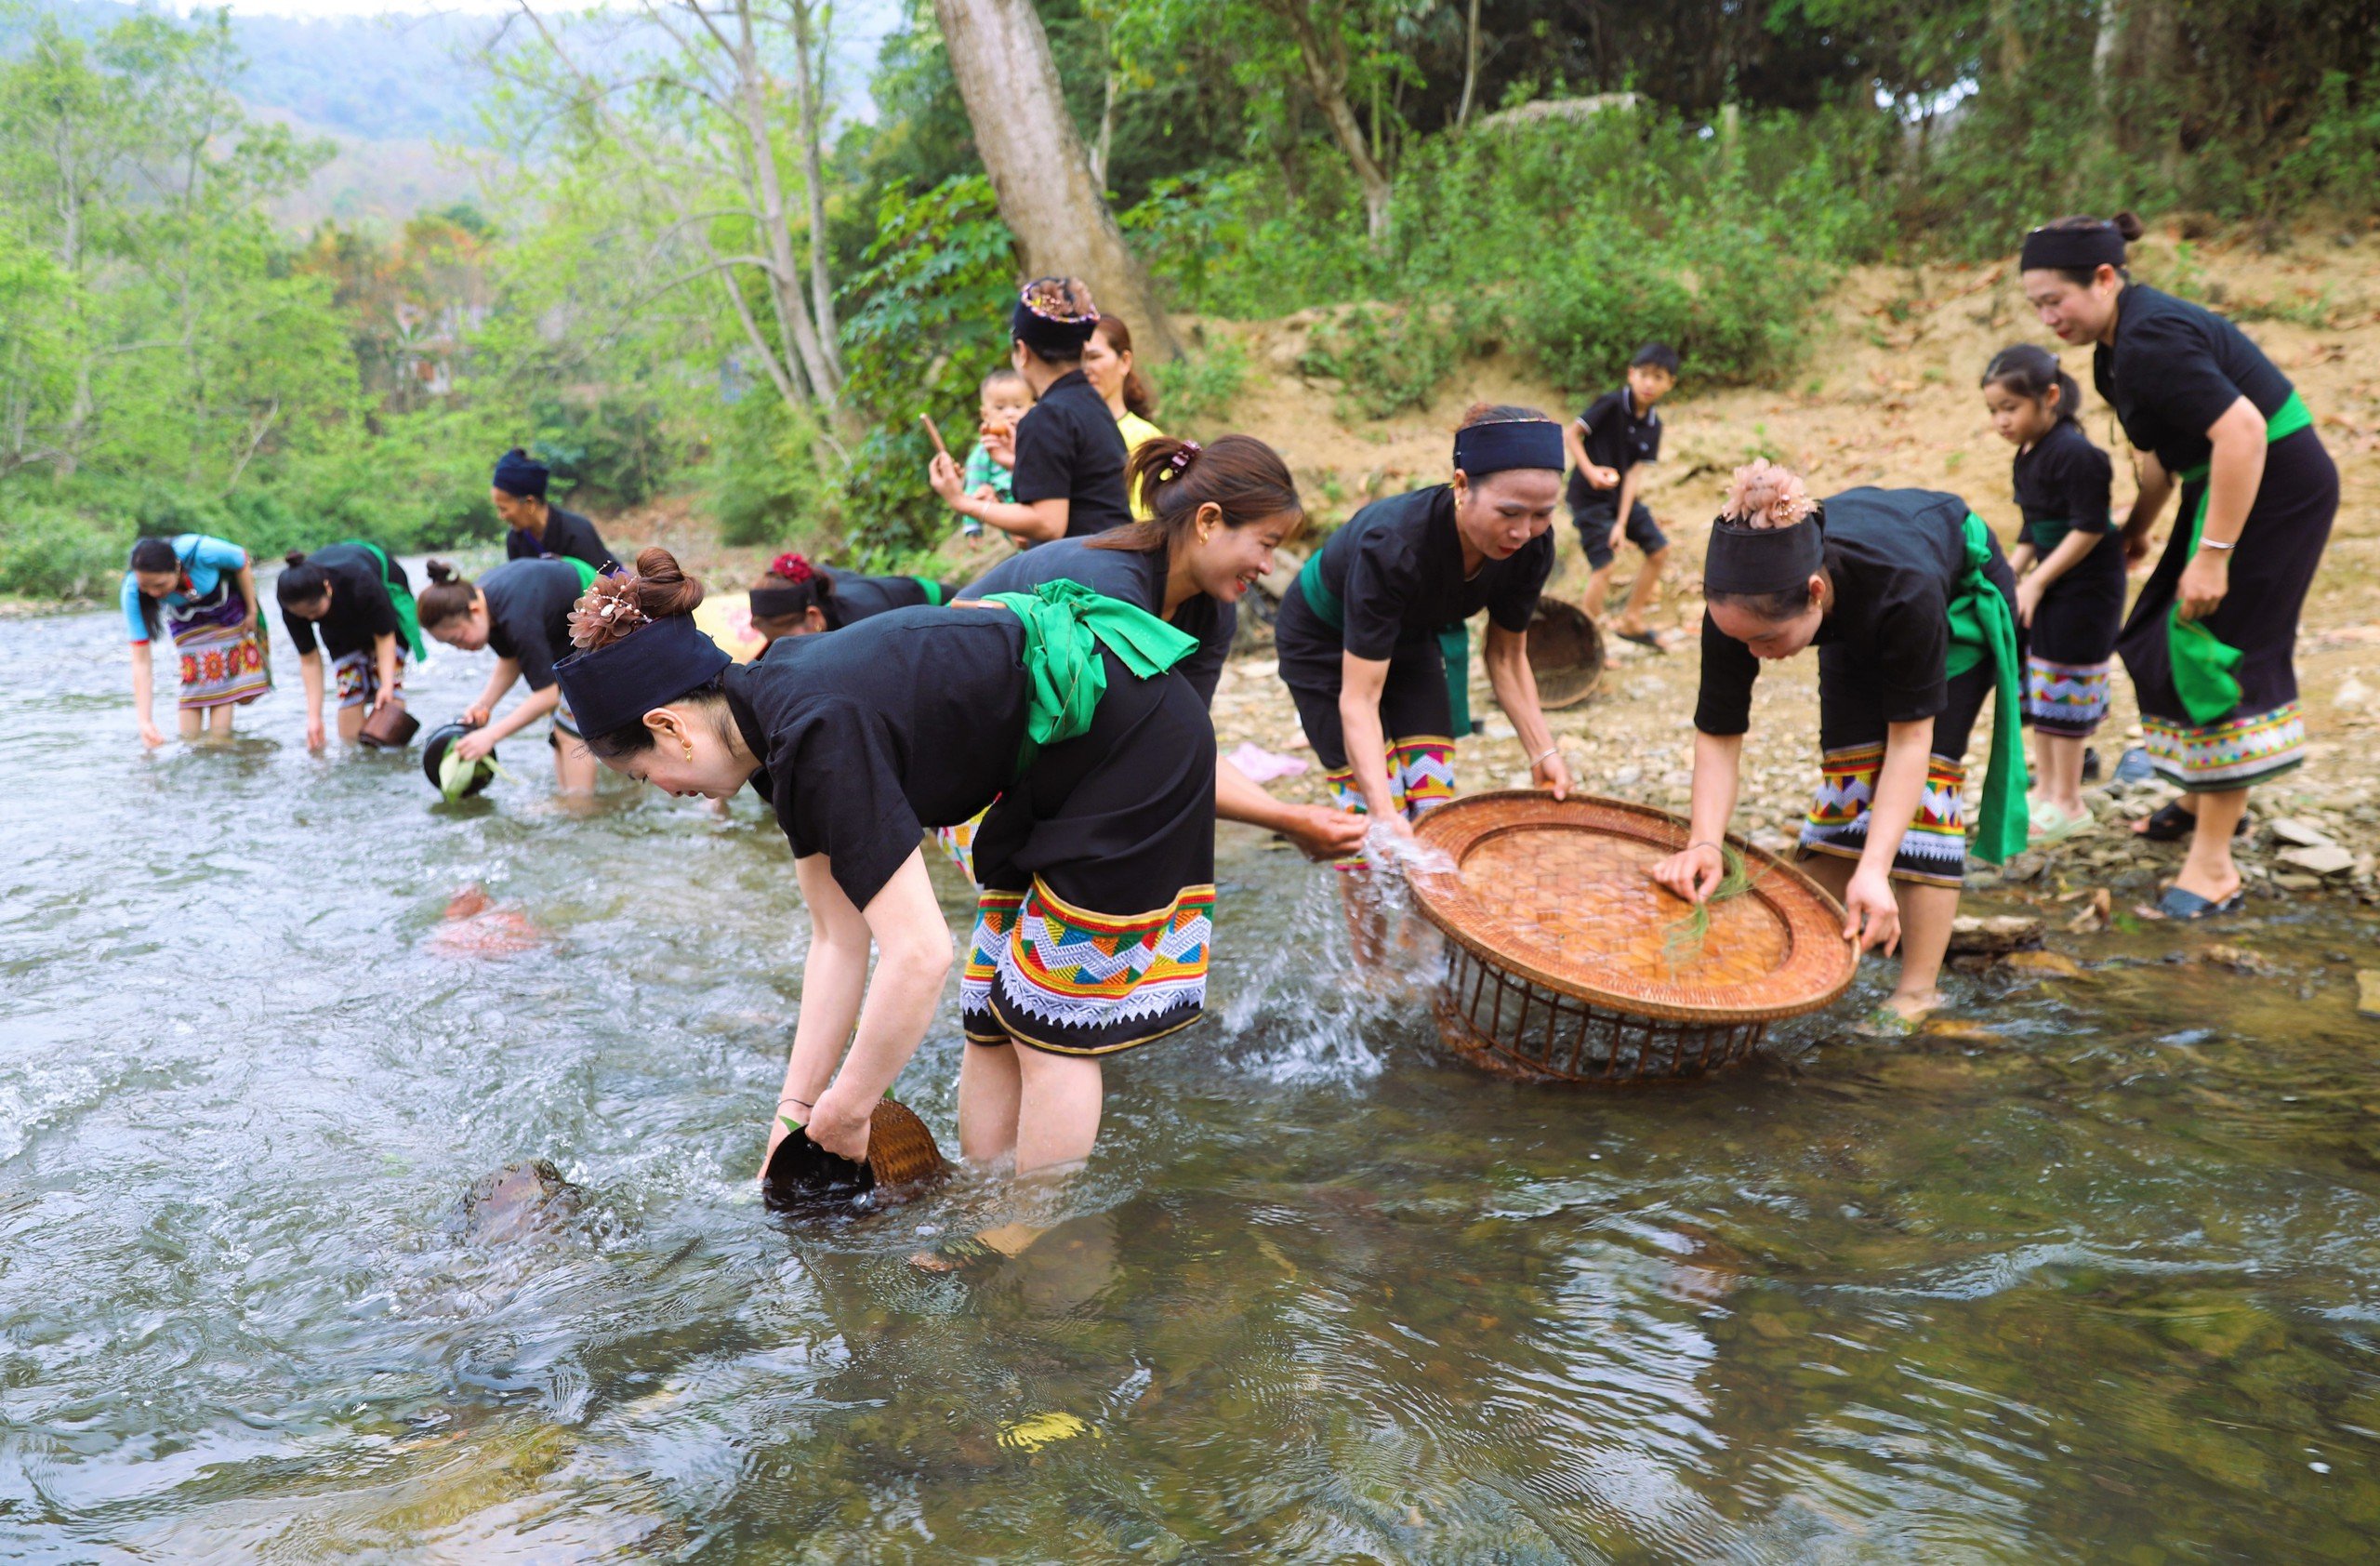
(2211, 544)
(1543, 754)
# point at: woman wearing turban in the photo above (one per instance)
(539, 529)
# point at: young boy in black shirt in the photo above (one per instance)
(1608, 445)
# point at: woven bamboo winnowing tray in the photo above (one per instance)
(901, 1155)
(1565, 961)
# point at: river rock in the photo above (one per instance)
(2042, 964)
(2322, 858)
(1994, 935)
(2304, 834)
(518, 1199)
(2367, 992)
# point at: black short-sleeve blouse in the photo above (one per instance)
(2175, 368)
(1397, 567)
(1135, 577)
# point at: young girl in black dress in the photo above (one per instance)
(2211, 641)
(2070, 575)
(1096, 863)
(1913, 606)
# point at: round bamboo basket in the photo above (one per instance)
(1565, 654)
(902, 1159)
(1566, 962)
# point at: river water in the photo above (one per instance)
(2096, 1278)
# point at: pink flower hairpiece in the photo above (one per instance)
(1179, 463)
(1052, 301)
(792, 568)
(1763, 495)
(606, 613)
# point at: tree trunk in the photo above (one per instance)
(1107, 142)
(1470, 66)
(806, 71)
(776, 233)
(1001, 57)
(1326, 78)
(2102, 52)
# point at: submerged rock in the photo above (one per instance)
(2367, 988)
(517, 1201)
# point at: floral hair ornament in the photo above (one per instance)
(792, 568)
(1759, 544)
(1179, 463)
(1763, 495)
(607, 612)
(1054, 317)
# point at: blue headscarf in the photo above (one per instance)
(517, 472)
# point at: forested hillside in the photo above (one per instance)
(734, 251)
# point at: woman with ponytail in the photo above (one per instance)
(359, 603)
(2069, 574)
(1912, 609)
(520, 611)
(1215, 515)
(2212, 639)
(205, 590)
(1096, 862)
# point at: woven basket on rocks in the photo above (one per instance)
(1565, 654)
(901, 1158)
(1566, 962)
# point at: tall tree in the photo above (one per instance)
(1038, 168)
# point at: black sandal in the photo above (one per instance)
(2171, 823)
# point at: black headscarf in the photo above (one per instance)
(517, 472)
(653, 666)
(1753, 560)
(1054, 317)
(2072, 249)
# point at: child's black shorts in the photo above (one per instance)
(1594, 531)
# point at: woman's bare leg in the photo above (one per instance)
(989, 1087)
(2208, 870)
(1058, 1109)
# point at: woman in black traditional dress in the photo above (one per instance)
(1373, 634)
(1097, 861)
(520, 611)
(1914, 608)
(359, 603)
(1216, 514)
(796, 598)
(2211, 640)
(2070, 575)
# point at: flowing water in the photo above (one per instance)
(2091, 1278)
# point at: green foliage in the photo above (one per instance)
(1203, 384)
(1386, 361)
(765, 482)
(932, 325)
(48, 552)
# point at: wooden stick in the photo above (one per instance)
(927, 419)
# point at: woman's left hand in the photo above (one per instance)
(1322, 834)
(474, 745)
(1870, 917)
(2028, 598)
(841, 1126)
(1550, 772)
(2205, 582)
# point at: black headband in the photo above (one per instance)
(2073, 249)
(1049, 338)
(653, 666)
(781, 604)
(1481, 449)
(1761, 560)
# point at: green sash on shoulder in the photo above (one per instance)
(401, 597)
(2202, 661)
(1454, 641)
(1065, 624)
(1983, 623)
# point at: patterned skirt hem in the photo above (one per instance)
(2238, 753)
(1071, 981)
(1846, 850)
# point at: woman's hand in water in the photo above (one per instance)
(1322, 834)
(1870, 917)
(841, 1126)
(474, 745)
(314, 737)
(151, 737)
(1693, 872)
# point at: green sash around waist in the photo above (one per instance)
(932, 590)
(1065, 624)
(2202, 661)
(401, 597)
(1454, 641)
(1983, 624)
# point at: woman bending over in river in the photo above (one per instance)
(205, 590)
(1216, 514)
(1913, 607)
(520, 611)
(1096, 862)
(360, 603)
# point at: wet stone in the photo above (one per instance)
(519, 1200)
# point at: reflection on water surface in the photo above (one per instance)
(2088, 1278)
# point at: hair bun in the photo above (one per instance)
(294, 557)
(2128, 225)
(441, 572)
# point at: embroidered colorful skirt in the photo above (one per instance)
(2281, 547)
(1416, 713)
(1097, 868)
(1851, 734)
(221, 665)
(2070, 648)
(359, 677)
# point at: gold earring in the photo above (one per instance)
(690, 750)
